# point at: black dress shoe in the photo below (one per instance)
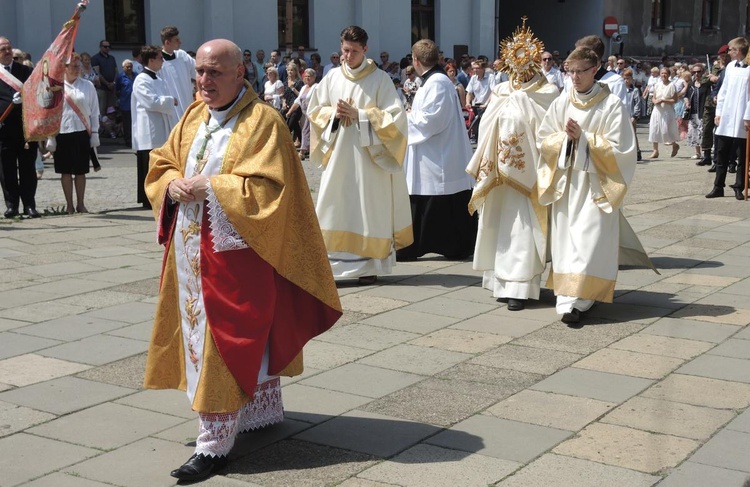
(31, 212)
(573, 319)
(716, 193)
(712, 168)
(732, 168)
(516, 304)
(738, 194)
(199, 467)
(11, 212)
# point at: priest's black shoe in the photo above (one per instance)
(716, 193)
(738, 194)
(573, 318)
(516, 304)
(712, 168)
(32, 213)
(199, 466)
(11, 212)
(732, 168)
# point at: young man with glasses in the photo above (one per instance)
(106, 67)
(552, 72)
(588, 158)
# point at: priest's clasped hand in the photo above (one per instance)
(182, 190)
(572, 129)
(346, 112)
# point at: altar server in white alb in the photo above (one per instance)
(732, 119)
(588, 158)
(153, 112)
(178, 70)
(358, 134)
(511, 246)
(439, 188)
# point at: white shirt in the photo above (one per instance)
(555, 76)
(480, 88)
(178, 74)
(83, 93)
(732, 103)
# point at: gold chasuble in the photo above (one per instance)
(259, 270)
(363, 205)
(585, 182)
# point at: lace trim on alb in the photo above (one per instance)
(217, 433)
(265, 409)
(223, 233)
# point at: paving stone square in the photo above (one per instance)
(361, 380)
(552, 410)
(96, 350)
(455, 308)
(718, 367)
(728, 449)
(526, 359)
(625, 362)
(410, 321)
(312, 404)
(364, 336)
(592, 384)
(325, 356)
(15, 418)
(692, 329)
(500, 438)
(628, 448)
(415, 359)
(670, 418)
(430, 465)
(567, 471)
(560, 337)
(734, 348)
(701, 391)
(370, 433)
(463, 341)
(500, 325)
(691, 474)
(23, 370)
(663, 346)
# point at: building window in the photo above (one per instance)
(710, 15)
(422, 20)
(659, 14)
(294, 19)
(124, 22)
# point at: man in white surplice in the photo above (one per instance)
(358, 134)
(439, 188)
(178, 69)
(588, 157)
(511, 244)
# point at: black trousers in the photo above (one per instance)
(725, 148)
(18, 173)
(127, 129)
(142, 161)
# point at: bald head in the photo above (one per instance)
(220, 72)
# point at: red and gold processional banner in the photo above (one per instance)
(43, 91)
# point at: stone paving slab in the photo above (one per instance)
(314, 405)
(15, 418)
(415, 359)
(70, 328)
(500, 438)
(96, 350)
(526, 359)
(364, 336)
(629, 363)
(463, 341)
(64, 480)
(670, 418)
(24, 457)
(663, 346)
(13, 344)
(592, 384)
(691, 474)
(23, 370)
(129, 313)
(294, 462)
(454, 308)
(733, 348)
(728, 449)
(362, 380)
(106, 426)
(410, 321)
(491, 323)
(64, 395)
(553, 410)
(701, 391)
(628, 448)
(171, 402)
(370, 433)
(690, 329)
(324, 356)
(716, 367)
(560, 337)
(430, 465)
(573, 472)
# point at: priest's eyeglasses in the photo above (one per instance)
(579, 72)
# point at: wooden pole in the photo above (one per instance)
(747, 161)
(6, 112)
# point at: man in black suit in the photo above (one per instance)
(17, 160)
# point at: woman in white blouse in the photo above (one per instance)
(79, 133)
(273, 89)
